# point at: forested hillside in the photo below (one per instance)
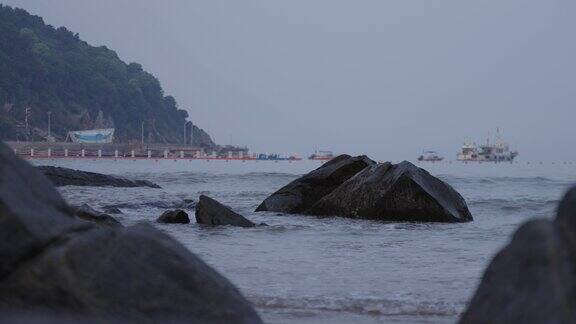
(49, 69)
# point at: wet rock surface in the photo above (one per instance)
(112, 210)
(211, 212)
(304, 192)
(174, 217)
(49, 260)
(532, 279)
(90, 214)
(394, 192)
(69, 177)
(32, 212)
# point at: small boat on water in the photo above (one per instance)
(277, 157)
(321, 156)
(499, 151)
(430, 156)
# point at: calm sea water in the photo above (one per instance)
(302, 269)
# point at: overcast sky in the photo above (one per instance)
(386, 78)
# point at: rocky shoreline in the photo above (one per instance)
(529, 281)
(69, 177)
(55, 262)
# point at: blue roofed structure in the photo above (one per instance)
(96, 136)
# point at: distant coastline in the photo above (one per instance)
(53, 82)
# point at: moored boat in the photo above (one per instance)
(430, 156)
(277, 157)
(321, 156)
(499, 151)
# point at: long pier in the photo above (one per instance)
(65, 150)
(48, 150)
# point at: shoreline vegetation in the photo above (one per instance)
(51, 70)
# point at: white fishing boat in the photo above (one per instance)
(430, 156)
(321, 156)
(499, 151)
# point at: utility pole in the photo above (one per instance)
(26, 112)
(49, 124)
(191, 133)
(142, 137)
(184, 132)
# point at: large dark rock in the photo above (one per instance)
(174, 217)
(533, 279)
(136, 271)
(400, 192)
(304, 192)
(211, 212)
(90, 214)
(69, 177)
(32, 212)
(52, 261)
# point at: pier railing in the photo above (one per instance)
(39, 150)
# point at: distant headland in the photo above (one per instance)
(52, 82)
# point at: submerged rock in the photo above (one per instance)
(174, 217)
(304, 192)
(112, 210)
(400, 192)
(187, 204)
(69, 177)
(211, 212)
(88, 213)
(49, 260)
(532, 279)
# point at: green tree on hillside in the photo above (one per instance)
(52, 69)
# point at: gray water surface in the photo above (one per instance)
(302, 269)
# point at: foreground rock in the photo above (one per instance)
(533, 279)
(69, 177)
(88, 213)
(400, 192)
(304, 192)
(211, 212)
(174, 217)
(50, 260)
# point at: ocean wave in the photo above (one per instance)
(372, 306)
(456, 179)
(268, 174)
(514, 205)
(252, 194)
(285, 228)
(505, 179)
(526, 179)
